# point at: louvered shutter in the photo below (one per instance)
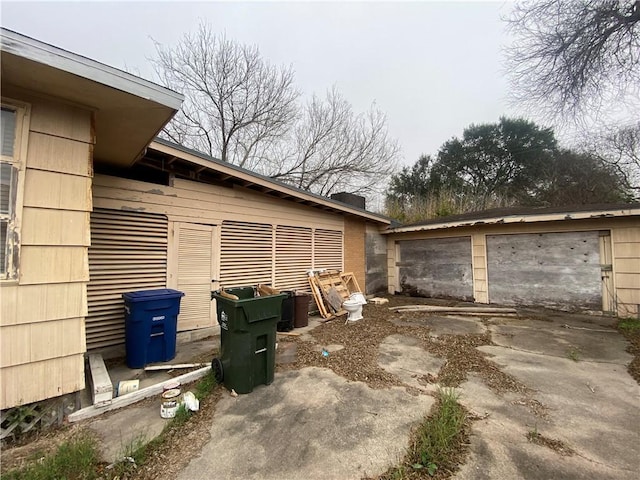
(128, 252)
(327, 248)
(246, 254)
(293, 257)
(195, 275)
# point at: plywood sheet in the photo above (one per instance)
(556, 270)
(437, 267)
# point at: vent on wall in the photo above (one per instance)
(128, 252)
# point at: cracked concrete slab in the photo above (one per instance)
(121, 433)
(586, 340)
(403, 357)
(309, 423)
(592, 406)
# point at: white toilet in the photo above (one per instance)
(354, 306)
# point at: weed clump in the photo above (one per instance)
(438, 443)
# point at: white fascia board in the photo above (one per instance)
(34, 50)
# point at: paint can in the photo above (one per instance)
(170, 403)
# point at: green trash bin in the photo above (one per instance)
(247, 338)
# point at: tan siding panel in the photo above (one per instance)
(57, 191)
(629, 235)
(40, 303)
(32, 382)
(53, 264)
(57, 154)
(628, 265)
(128, 253)
(61, 120)
(293, 257)
(42, 226)
(626, 250)
(628, 280)
(41, 341)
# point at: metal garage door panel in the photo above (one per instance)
(437, 267)
(557, 270)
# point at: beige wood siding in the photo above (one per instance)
(194, 202)
(294, 256)
(42, 317)
(128, 253)
(196, 269)
(626, 269)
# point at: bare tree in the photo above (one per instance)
(236, 103)
(620, 149)
(334, 149)
(572, 56)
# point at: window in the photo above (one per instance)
(10, 169)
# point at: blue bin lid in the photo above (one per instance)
(150, 295)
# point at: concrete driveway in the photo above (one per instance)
(580, 403)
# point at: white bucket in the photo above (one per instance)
(170, 403)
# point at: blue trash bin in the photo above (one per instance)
(151, 319)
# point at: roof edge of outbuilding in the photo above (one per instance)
(522, 215)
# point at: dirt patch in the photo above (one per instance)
(358, 360)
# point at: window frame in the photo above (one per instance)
(18, 162)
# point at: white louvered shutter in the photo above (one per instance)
(294, 256)
(246, 254)
(195, 274)
(327, 249)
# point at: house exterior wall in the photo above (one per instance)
(354, 249)
(43, 311)
(376, 260)
(625, 254)
(270, 230)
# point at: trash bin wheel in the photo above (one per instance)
(216, 368)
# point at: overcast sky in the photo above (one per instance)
(433, 67)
